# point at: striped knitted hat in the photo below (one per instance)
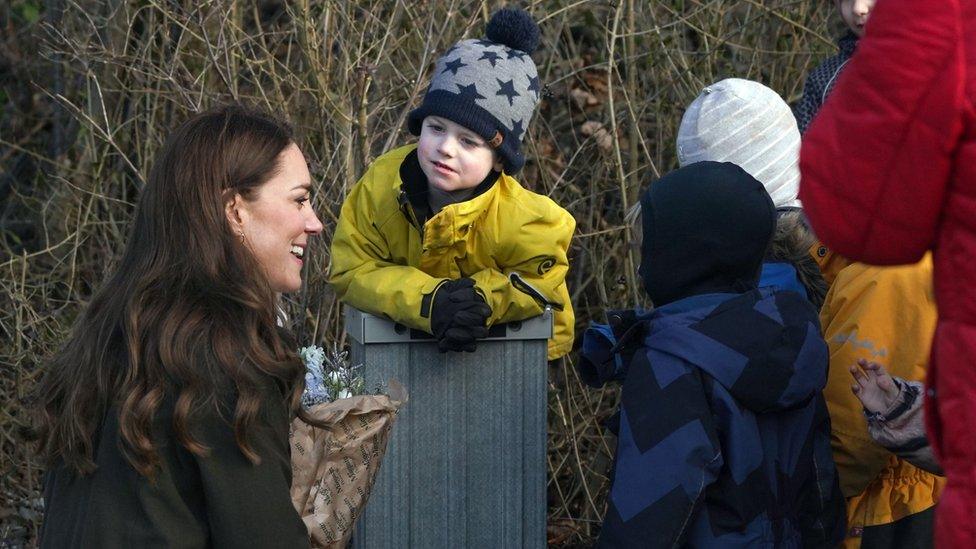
(747, 124)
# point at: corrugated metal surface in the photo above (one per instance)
(466, 463)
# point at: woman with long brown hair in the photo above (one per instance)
(164, 419)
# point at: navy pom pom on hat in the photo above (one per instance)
(489, 85)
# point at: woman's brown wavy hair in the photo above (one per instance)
(187, 316)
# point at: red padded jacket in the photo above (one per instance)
(889, 171)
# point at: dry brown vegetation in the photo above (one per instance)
(91, 87)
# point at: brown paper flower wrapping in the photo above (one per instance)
(333, 469)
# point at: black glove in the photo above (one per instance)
(462, 335)
(458, 316)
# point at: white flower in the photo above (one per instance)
(313, 356)
(328, 377)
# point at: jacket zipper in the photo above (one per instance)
(521, 285)
(409, 214)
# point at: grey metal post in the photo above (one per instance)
(466, 466)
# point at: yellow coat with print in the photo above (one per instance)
(383, 263)
(887, 315)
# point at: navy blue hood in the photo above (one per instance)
(707, 227)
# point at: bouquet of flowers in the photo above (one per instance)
(333, 468)
(325, 383)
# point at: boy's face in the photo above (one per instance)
(453, 157)
(855, 13)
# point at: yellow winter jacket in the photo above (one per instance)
(887, 315)
(384, 263)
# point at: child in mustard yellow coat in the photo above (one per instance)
(885, 315)
(439, 236)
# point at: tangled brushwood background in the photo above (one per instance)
(89, 89)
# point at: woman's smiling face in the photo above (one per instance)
(278, 219)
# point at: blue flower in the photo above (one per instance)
(316, 390)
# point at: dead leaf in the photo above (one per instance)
(599, 133)
(583, 98)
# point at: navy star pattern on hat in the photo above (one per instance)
(488, 87)
(470, 92)
(495, 77)
(517, 128)
(534, 85)
(491, 56)
(508, 90)
(454, 66)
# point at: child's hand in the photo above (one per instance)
(874, 388)
(458, 316)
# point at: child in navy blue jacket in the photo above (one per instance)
(822, 79)
(723, 434)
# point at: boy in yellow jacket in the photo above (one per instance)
(439, 236)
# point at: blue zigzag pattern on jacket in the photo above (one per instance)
(633, 495)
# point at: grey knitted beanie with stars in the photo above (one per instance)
(490, 86)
